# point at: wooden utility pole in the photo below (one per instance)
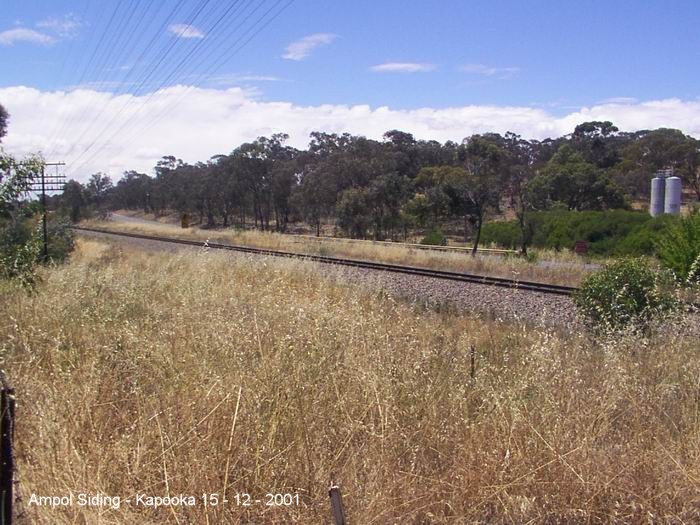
(45, 184)
(45, 252)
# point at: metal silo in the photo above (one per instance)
(658, 187)
(672, 199)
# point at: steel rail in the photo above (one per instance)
(387, 267)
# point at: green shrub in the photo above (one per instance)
(625, 293)
(641, 240)
(679, 248)
(532, 257)
(609, 233)
(434, 238)
(20, 249)
(61, 240)
(506, 234)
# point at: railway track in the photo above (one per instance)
(386, 267)
(413, 246)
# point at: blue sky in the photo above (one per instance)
(564, 58)
(561, 53)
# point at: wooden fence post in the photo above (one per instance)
(472, 359)
(7, 459)
(337, 505)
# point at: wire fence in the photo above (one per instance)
(7, 461)
(7, 457)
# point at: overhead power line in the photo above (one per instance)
(238, 44)
(129, 103)
(163, 51)
(89, 62)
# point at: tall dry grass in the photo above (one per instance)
(562, 268)
(128, 368)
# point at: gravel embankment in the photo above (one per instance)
(487, 301)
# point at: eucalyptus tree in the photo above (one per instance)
(313, 196)
(386, 195)
(572, 181)
(132, 191)
(403, 148)
(434, 200)
(520, 163)
(596, 141)
(4, 116)
(478, 188)
(98, 188)
(649, 151)
(74, 200)
(353, 212)
(167, 191)
(20, 245)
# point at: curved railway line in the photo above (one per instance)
(355, 263)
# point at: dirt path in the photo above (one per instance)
(125, 219)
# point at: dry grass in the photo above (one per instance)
(564, 271)
(129, 365)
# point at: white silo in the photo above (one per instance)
(658, 186)
(672, 199)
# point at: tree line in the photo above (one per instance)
(387, 188)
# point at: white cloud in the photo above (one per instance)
(197, 123)
(231, 79)
(259, 78)
(101, 85)
(668, 113)
(65, 27)
(52, 30)
(403, 67)
(489, 71)
(23, 34)
(619, 100)
(185, 31)
(302, 48)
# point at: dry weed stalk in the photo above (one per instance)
(129, 365)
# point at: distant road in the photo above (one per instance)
(116, 217)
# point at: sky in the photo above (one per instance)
(113, 85)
